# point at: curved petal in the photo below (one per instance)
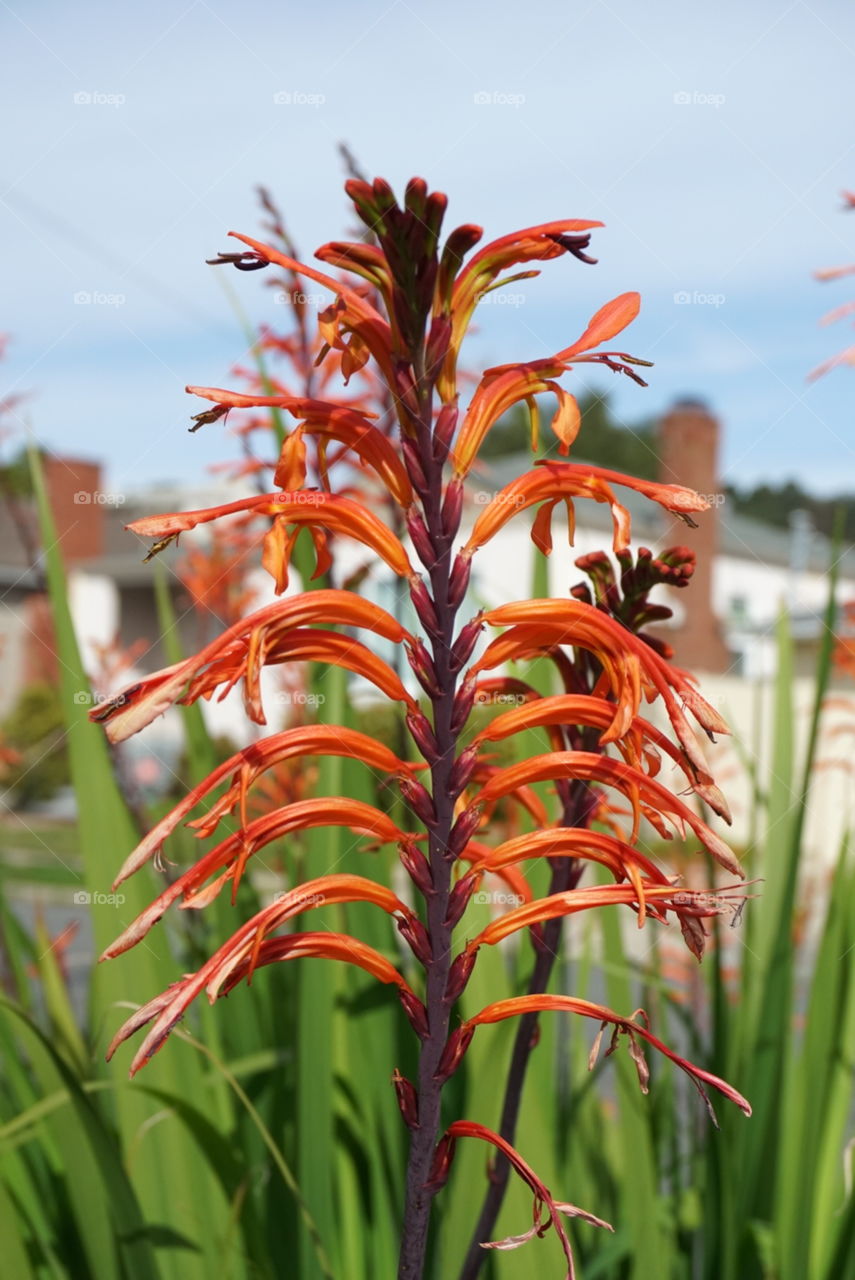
(598, 768)
(246, 765)
(234, 852)
(569, 1004)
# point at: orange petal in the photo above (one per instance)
(609, 321)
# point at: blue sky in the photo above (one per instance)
(713, 141)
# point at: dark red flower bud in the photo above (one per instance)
(458, 580)
(461, 770)
(452, 1055)
(423, 735)
(413, 463)
(466, 641)
(417, 938)
(458, 899)
(463, 700)
(437, 344)
(443, 431)
(418, 869)
(441, 1166)
(405, 390)
(419, 800)
(452, 506)
(415, 1011)
(423, 668)
(463, 830)
(408, 1099)
(424, 606)
(459, 974)
(421, 538)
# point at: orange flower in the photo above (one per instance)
(553, 481)
(334, 422)
(241, 953)
(303, 507)
(245, 766)
(234, 852)
(276, 633)
(635, 785)
(543, 1197)
(502, 1009)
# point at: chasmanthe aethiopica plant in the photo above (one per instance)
(408, 312)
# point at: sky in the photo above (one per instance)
(712, 140)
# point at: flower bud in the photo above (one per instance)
(458, 580)
(415, 1011)
(443, 431)
(423, 668)
(417, 938)
(463, 830)
(441, 1166)
(459, 974)
(421, 538)
(423, 735)
(463, 701)
(461, 650)
(458, 899)
(418, 868)
(408, 1099)
(452, 506)
(413, 463)
(419, 799)
(452, 1055)
(424, 606)
(437, 344)
(462, 770)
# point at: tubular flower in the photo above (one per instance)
(305, 507)
(244, 946)
(395, 325)
(349, 427)
(556, 481)
(543, 1198)
(623, 1026)
(273, 634)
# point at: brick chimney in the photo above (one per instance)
(688, 455)
(75, 493)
